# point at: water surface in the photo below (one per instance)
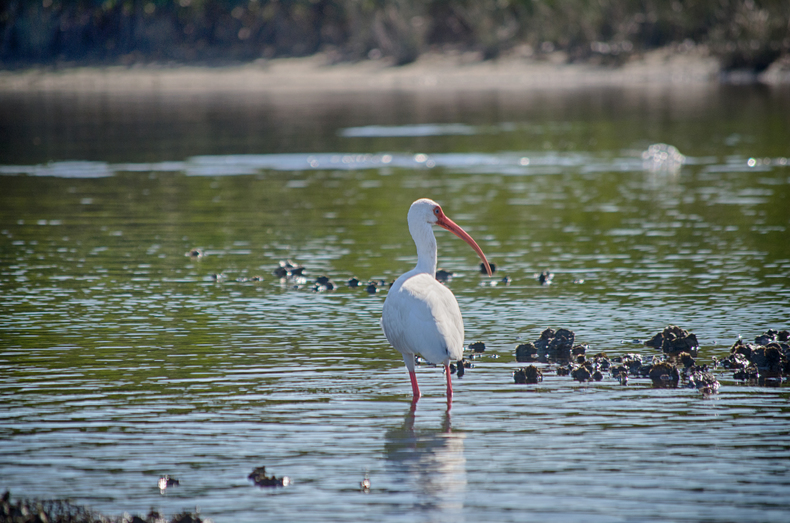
(123, 359)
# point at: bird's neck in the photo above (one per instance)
(426, 248)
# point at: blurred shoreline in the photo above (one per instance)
(431, 72)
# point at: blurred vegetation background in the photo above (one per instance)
(744, 34)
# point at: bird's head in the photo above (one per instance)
(428, 211)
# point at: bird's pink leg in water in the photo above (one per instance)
(415, 389)
(449, 384)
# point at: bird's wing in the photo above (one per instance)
(421, 316)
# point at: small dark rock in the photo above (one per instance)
(477, 346)
(526, 352)
(735, 361)
(686, 359)
(564, 371)
(582, 373)
(555, 346)
(770, 360)
(767, 337)
(704, 382)
(601, 361)
(664, 375)
(459, 368)
(288, 270)
(528, 375)
(259, 477)
(644, 370)
(673, 340)
(444, 276)
(617, 370)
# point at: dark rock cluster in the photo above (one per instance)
(459, 367)
(61, 511)
(552, 347)
(528, 375)
(673, 340)
(673, 368)
(765, 362)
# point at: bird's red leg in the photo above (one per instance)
(449, 383)
(415, 389)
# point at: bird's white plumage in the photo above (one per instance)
(420, 315)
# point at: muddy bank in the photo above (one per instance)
(431, 72)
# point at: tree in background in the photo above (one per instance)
(748, 34)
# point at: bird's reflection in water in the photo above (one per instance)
(430, 463)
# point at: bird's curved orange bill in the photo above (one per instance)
(454, 228)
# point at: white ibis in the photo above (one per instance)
(421, 316)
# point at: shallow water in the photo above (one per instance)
(122, 359)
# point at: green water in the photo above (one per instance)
(123, 359)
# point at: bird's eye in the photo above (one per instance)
(436, 211)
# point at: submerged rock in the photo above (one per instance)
(686, 360)
(766, 365)
(287, 270)
(259, 477)
(459, 367)
(703, 381)
(673, 340)
(633, 362)
(528, 375)
(477, 346)
(583, 372)
(374, 286)
(772, 335)
(747, 373)
(483, 268)
(323, 283)
(664, 375)
(579, 350)
(444, 276)
(555, 346)
(526, 352)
